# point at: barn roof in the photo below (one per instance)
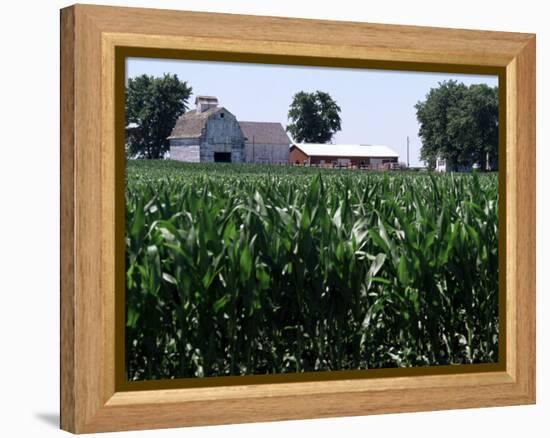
(346, 150)
(190, 124)
(264, 133)
(203, 97)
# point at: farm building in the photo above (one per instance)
(360, 155)
(265, 142)
(441, 165)
(211, 133)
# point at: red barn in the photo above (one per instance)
(342, 154)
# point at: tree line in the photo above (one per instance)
(458, 123)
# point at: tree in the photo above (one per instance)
(153, 104)
(315, 117)
(475, 126)
(459, 124)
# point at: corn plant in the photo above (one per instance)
(254, 269)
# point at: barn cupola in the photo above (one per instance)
(204, 103)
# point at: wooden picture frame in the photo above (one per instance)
(91, 37)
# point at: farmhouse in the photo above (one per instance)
(211, 133)
(373, 156)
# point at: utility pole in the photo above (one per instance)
(407, 151)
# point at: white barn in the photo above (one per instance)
(265, 142)
(211, 133)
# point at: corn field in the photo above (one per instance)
(254, 269)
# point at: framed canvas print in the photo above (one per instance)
(273, 218)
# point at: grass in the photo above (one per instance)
(255, 269)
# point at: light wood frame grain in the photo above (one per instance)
(90, 36)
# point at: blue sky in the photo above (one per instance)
(377, 105)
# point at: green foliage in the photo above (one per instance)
(460, 124)
(315, 117)
(153, 105)
(245, 269)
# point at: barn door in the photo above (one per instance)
(222, 157)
